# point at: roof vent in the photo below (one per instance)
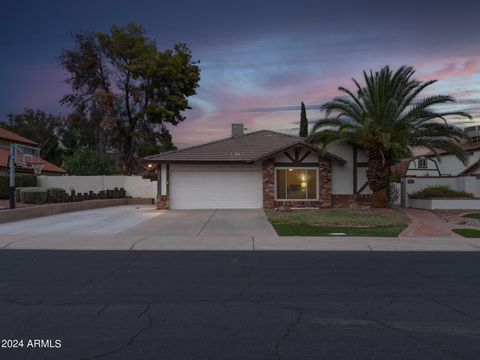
(237, 154)
(237, 130)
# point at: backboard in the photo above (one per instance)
(28, 158)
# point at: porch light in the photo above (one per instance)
(150, 166)
(303, 184)
(290, 169)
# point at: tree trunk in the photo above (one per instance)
(378, 175)
(380, 199)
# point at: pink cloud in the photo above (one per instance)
(453, 67)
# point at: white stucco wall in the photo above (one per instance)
(450, 165)
(342, 175)
(134, 186)
(462, 183)
(445, 204)
(163, 179)
(312, 157)
(415, 170)
(414, 184)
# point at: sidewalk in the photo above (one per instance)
(239, 243)
(426, 224)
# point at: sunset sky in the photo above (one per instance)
(259, 59)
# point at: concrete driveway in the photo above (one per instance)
(104, 221)
(205, 223)
(146, 221)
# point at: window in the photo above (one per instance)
(296, 184)
(422, 163)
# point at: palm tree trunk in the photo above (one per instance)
(378, 176)
(380, 199)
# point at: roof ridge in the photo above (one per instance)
(214, 142)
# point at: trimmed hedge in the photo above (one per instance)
(21, 180)
(34, 195)
(56, 195)
(438, 191)
(39, 195)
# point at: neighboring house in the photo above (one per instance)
(428, 164)
(7, 138)
(261, 169)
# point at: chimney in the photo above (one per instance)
(237, 130)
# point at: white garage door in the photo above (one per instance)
(215, 189)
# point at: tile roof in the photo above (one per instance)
(10, 136)
(49, 167)
(464, 146)
(251, 147)
(470, 168)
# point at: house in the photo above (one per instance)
(7, 138)
(261, 169)
(427, 164)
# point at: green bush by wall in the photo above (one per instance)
(34, 195)
(55, 195)
(21, 180)
(438, 191)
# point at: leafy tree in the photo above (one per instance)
(157, 143)
(386, 119)
(88, 162)
(40, 127)
(303, 122)
(131, 85)
(82, 132)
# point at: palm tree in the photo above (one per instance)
(386, 119)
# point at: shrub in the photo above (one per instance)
(89, 162)
(21, 180)
(438, 191)
(34, 195)
(55, 195)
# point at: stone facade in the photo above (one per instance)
(162, 202)
(325, 182)
(351, 200)
(268, 169)
(297, 204)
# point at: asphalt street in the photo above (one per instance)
(240, 305)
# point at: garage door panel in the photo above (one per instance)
(215, 189)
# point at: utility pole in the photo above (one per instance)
(11, 164)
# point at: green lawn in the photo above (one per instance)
(323, 222)
(305, 230)
(472, 216)
(468, 233)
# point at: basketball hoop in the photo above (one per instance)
(37, 167)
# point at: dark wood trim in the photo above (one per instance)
(362, 188)
(297, 154)
(423, 169)
(288, 155)
(356, 165)
(296, 164)
(436, 164)
(305, 156)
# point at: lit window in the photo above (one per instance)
(422, 163)
(297, 184)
